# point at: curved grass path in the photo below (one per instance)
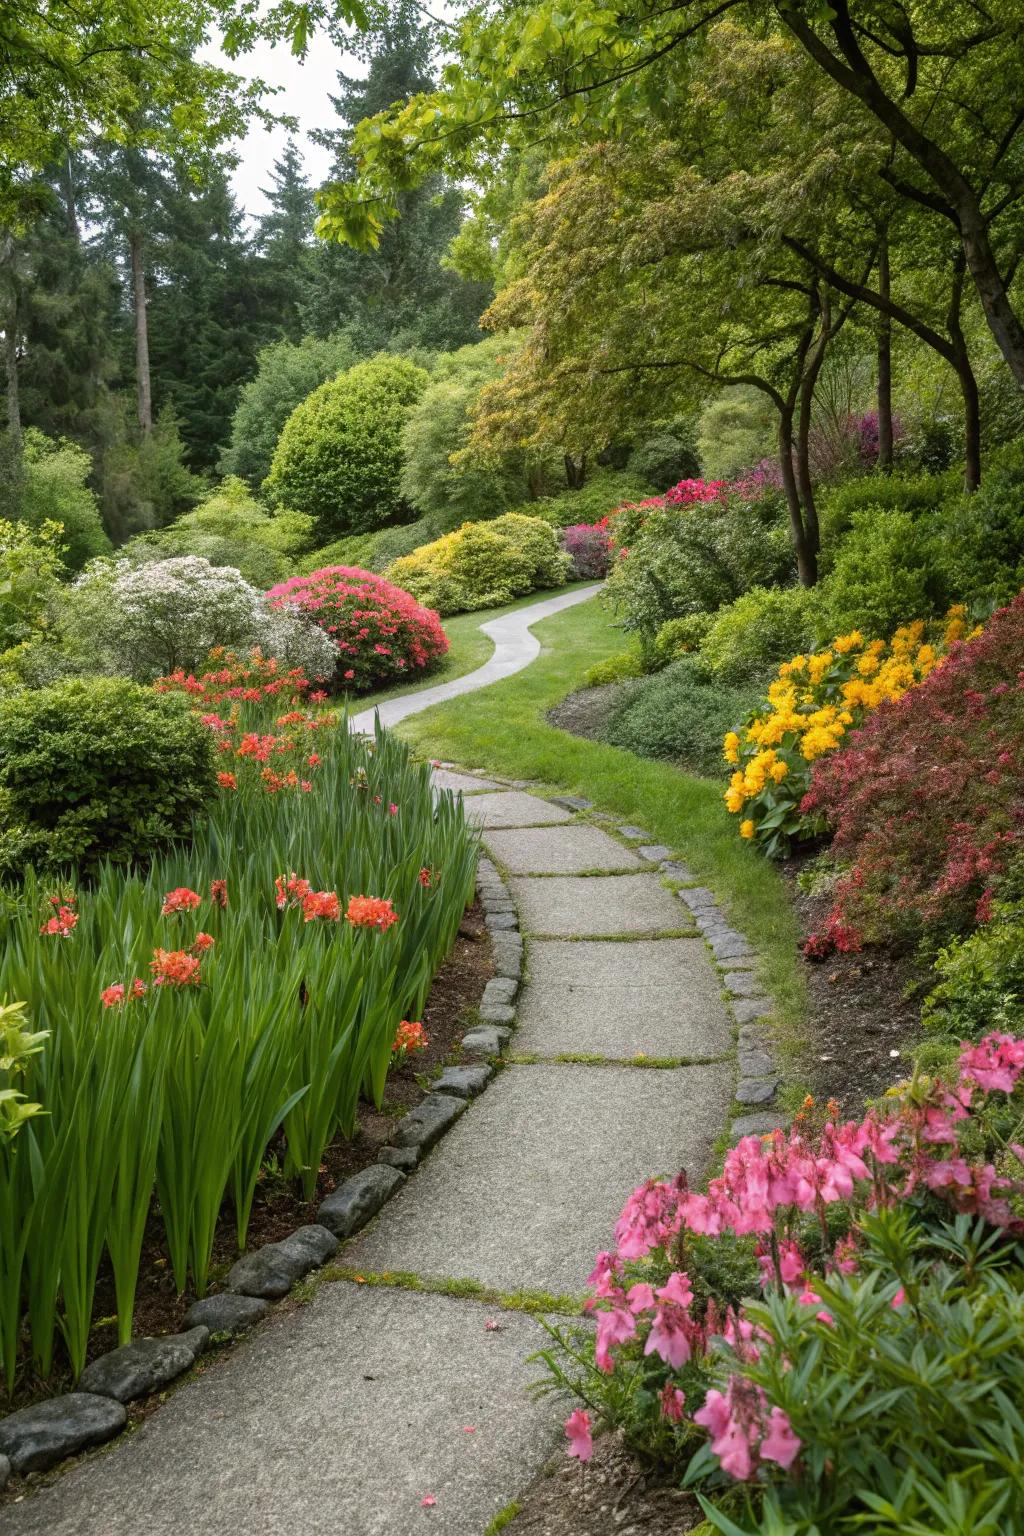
(514, 648)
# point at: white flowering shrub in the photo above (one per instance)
(147, 620)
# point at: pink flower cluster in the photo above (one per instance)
(382, 632)
(767, 1188)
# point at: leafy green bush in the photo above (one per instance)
(680, 637)
(441, 477)
(603, 492)
(750, 637)
(680, 714)
(978, 541)
(98, 768)
(915, 494)
(615, 669)
(30, 566)
(286, 373)
(229, 527)
(339, 457)
(483, 565)
(666, 458)
(692, 557)
(886, 572)
(55, 489)
(735, 431)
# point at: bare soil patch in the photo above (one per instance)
(611, 1495)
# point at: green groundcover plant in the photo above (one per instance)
(243, 989)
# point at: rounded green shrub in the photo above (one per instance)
(747, 639)
(886, 573)
(98, 768)
(339, 457)
(679, 637)
(56, 489)
(483, 565)
(680, 714)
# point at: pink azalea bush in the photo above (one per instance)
(382, 633)
(887, 1253)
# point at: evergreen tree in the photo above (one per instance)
(400, 294)
(284, 241)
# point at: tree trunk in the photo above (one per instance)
(575, 471)
(11, 377)
(884, 460)
(142, 378)
(968, 383)
(957, 199)
(808, 384)
(70, 190)
(806, 558)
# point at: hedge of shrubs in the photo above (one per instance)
(483, 565)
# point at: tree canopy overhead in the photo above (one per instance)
(921, 75)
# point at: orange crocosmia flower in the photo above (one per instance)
(371, 912)
(291, 890)
(219, 893)
(409, 1037)
(174, 967)
(323, 904)
(227, 781)
(180, 900)
(202, 942)
(424, 877)
(62, 923)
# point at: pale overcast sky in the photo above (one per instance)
(305, 94)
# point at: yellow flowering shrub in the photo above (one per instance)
(813, 702)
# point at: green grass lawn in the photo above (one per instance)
(503, 728)
(467, 650)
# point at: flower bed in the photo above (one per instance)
(382, 633)
(254, 981)
(812, 705)
(872, 1383)
(926, 799)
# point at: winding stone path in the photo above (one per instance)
(342, 1417)
(515, 646)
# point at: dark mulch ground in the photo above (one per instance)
(612, 1495)
(587, 713)
(863, 1015)
(278, 1207)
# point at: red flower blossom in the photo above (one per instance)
(175, 968)
(181, 899)
(219, 893)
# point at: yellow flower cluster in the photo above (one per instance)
(812, 704)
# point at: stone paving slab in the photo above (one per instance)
(559, 850)
(336, 1420)
(513, 808)
(464, 783)
(528, 1185)
(660, 997)
(585, 906)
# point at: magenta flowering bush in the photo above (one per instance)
(382, 633)
(866, 1385)
(589, 545)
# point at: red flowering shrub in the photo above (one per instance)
(590, 547)
(927, 800)
(381, 632)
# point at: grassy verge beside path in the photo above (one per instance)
(503, 728)
(467, 649)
